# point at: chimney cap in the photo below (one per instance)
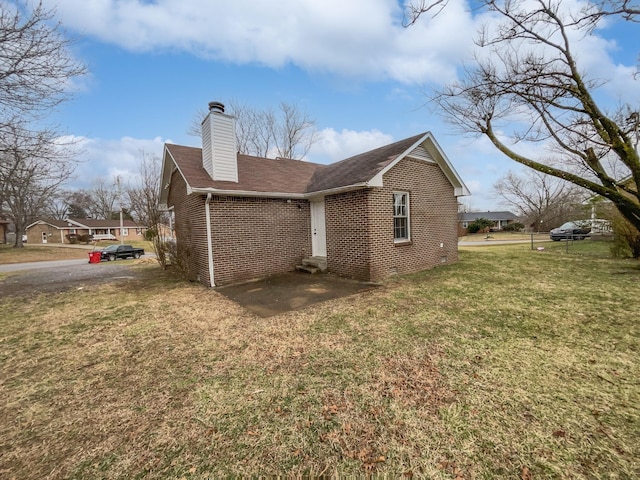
(216, 107)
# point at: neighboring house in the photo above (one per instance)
(60, 231)
(499, 219)
(237, 217)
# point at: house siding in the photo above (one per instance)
(348, 242)
(433, 221)
(191, 231)
(256, 237)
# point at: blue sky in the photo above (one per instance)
(349, 64)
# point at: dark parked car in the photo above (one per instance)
(570, 230)
(113, 252)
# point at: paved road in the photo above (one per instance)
(500, 242)
(61, 275)
(14, 267)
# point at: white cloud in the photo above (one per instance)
(354, 38)
(333, 146)
(111, 158)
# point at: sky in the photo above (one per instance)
(350, 65)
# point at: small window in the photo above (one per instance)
(125, 232)
(401, 216)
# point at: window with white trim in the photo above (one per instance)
(401, 216)
(125, 231)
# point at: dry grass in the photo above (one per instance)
(511, 363)
(38, 253)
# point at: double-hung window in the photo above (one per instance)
(401, 216)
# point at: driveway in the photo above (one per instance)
(61, 275)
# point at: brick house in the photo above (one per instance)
(499, 219)
(391, 210)
(58, 231)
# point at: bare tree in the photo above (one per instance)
(532, 88)
(32, 169)
(543, 201)
(103, 194)
(286, 133)
(143, 198)
(57, 207)
(36, 65)
(144, 194)
(78, 203)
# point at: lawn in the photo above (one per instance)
(511, 363)
(38, 253)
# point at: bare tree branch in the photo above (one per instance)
(33, 166)
(542, 200)
(286, 133)
(531, 91)
(36, 67)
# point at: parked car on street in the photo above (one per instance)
(570, 231)
(113, 252)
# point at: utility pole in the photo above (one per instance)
(120, 202)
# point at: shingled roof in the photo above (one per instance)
(360, 168)
(284, 177)
(255, 174)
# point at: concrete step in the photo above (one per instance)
(307, 269)
(318, 262)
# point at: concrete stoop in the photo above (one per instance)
(313, 265)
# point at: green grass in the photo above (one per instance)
(511, 363)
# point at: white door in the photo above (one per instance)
(44, 237)
(318, 229)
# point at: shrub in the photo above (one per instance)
(85, 238)
(150, 234)
(479, 224)
(473, 228)
(72, 237)
(513, 227)
(626, 238)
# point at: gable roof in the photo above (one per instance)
(100, 223)
(255, 174)
(300, 179)
(472, 216)
(85, 223)
(358, 169)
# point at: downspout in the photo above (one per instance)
(207, 214)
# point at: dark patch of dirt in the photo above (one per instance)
(61, 279)
(290, 291)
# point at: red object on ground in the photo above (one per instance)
(94, 257)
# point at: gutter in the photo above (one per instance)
(207, 214)
(301, 196)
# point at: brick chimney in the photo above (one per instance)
(219, 152)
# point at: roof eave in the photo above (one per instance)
(242, 193)
(168, 166)
(300, 196)
(460, 189)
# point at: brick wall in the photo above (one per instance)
(190, 228)
(360, 225)
(347, 224)
(433, 220)
(254, 237)
(34, 234)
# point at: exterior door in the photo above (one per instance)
(318, 229)
(44, 237)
